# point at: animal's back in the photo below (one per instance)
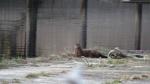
(87, 53)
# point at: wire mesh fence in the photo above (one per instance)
(58, 26)
(12, 28)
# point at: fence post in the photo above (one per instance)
(138, 26)
(83, 39)
(27, 28)
(31, 27)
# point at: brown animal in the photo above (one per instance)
(87, 53)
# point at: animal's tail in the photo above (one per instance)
(139, 56)
(103, 56)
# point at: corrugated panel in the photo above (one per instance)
(58, 26)
(145, 38)
(12, 27)
(111, 25)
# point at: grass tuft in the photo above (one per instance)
(44, 74)
(145, 75)
(136, 77)
(11, 62)
(19, 60)
(114, 82)
(32, 75)
(3, 64)
(116, 61)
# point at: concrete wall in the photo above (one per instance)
(12, 24)
(109, 25)
(59, 25)
(145, 39)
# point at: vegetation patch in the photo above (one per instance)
(4, 82)
(145, 75)
(125, 77)
(93, 65)
(3, 64)
(119, 62)
(44, 74)
(19, 60)
(36, 75)
(135, 77)
(11, 62)
(116, 61)
(54, 73)
(16, 81)
(114, 82)
(102, 65)
(32, 75)
(112, 61)
(40, 59)
(66, 52)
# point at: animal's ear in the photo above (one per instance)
(77, 46)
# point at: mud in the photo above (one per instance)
(91, 74)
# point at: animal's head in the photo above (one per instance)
(78, 50)
(77, 46)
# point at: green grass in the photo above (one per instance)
(114, 82)
(3, 64)
(32, 75)
(110, 62)
(11, 62)
(93, 65)
(4, 82)
(19, 60)
(40, 59)
(44, 74)
(119, 62)
(116, 61)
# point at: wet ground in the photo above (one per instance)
(99, 71)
